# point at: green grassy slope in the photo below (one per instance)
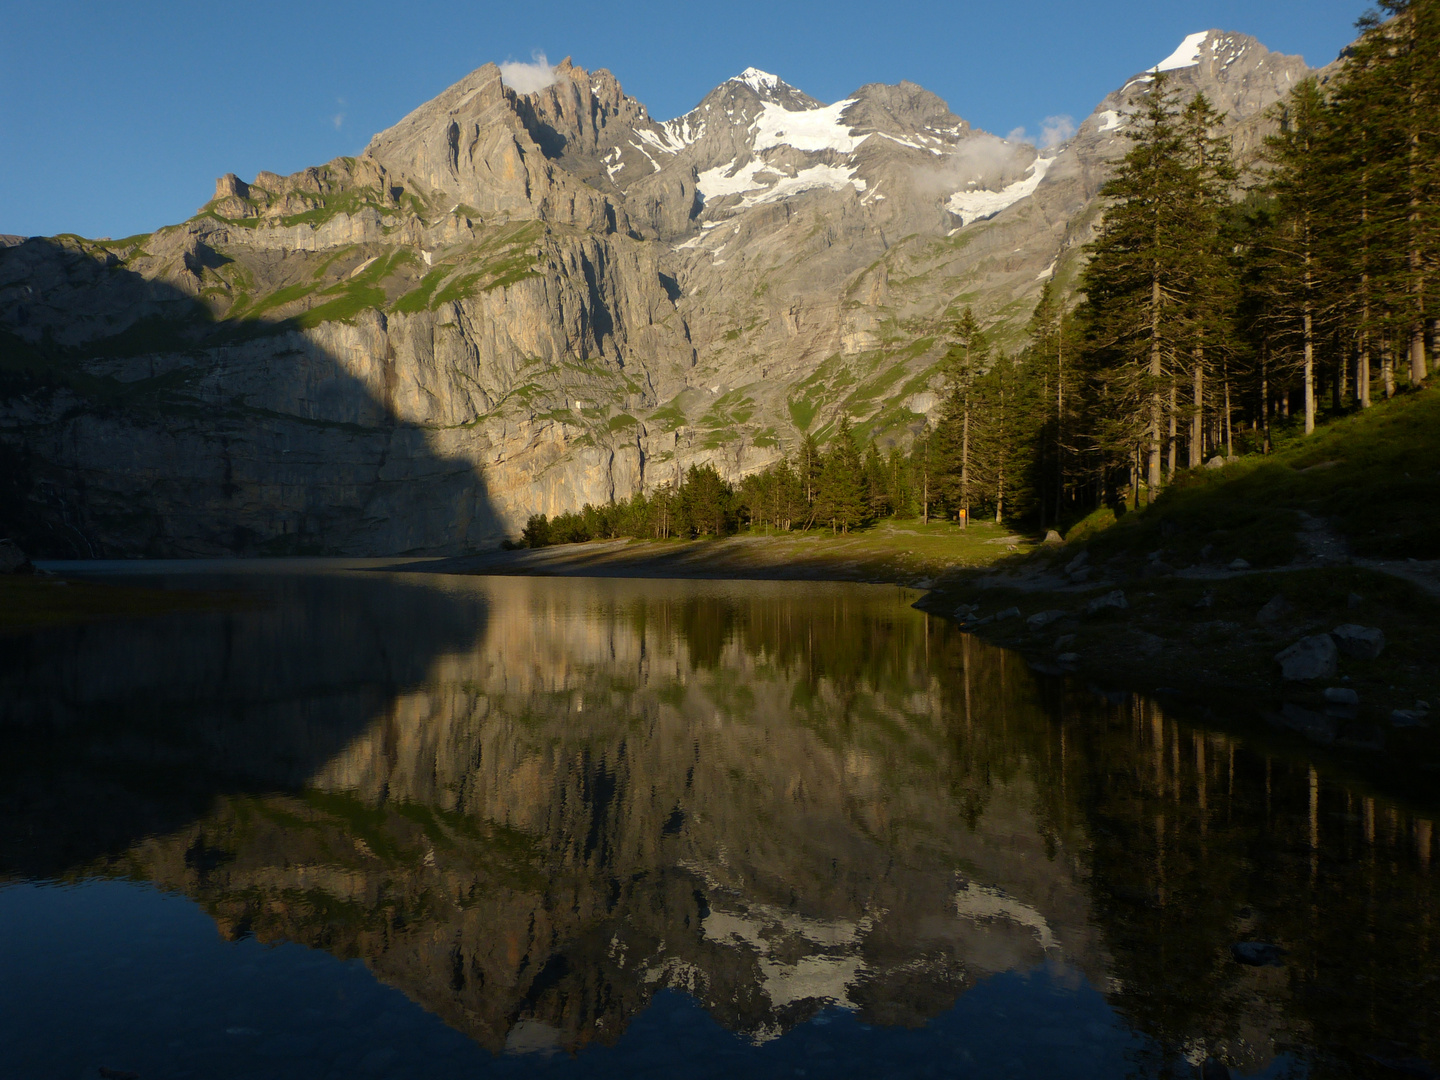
(1373, 476)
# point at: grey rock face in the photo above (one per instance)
(1309, 658)
(1361, 642)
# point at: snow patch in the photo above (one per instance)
(1187, 55)
(1109, 120)
(809, 129)
(757, 182)
(975, 205)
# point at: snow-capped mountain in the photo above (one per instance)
(573, 299)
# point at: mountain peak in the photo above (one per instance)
(759, 81)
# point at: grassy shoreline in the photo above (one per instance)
(31, 602)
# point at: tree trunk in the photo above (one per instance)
(1387, 370)
(965, 466)
(1362, 372)
(1152, 469)
(1197, 418)
(1309, 356)
(1229, 429)
(1171, 447)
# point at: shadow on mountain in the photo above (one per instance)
(134, 423)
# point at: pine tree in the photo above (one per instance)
(1138, 282)
(1300, 183)
(841, 495)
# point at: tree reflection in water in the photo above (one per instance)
(532, 804)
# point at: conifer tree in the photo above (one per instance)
(1136, 280)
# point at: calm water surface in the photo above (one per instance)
(415, 826)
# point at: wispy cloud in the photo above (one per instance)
(526, 78)
(1054, 130)
(339, 118)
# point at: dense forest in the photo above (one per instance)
(1220, 308)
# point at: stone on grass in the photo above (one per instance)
(1114, 599)
(1239, 564)
(1077, 562)
(1068, 657)
(1276, 608)
(1216, 462)
(1309, 658)
(1257, 954)
(1317, 727)
(1354, 600)
(1408, 718)
(1361, 642)
(1064, 641)
(1053, 537)
(1008, 613)
(12, 559)
(1044, 618)
(1341, 695)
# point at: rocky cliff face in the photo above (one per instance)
(511, 304)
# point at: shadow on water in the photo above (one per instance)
(536, 804)
(135, 423)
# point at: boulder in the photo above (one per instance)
(1147, 644)
(1053, 537)
(1114, 599)
(1045, 618)
(1316, 727)
(1341, 695)
(1239, 564)
(1155, 568)
(1008, 613)
(1361, 642)
(1309, 658)
(1257, 954)
(13, 560)
(1068, 658)
(1216, 462)
(1275, 609)
(1408, 718)
(1077, 562)
(1081, 576)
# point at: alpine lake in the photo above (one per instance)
(396, 824)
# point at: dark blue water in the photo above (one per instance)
(398, 825)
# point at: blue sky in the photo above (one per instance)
(116, 117)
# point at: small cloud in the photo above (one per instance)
(1055, 130)
(338, 119)
(526, 78)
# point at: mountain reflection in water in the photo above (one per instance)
(532, 805)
